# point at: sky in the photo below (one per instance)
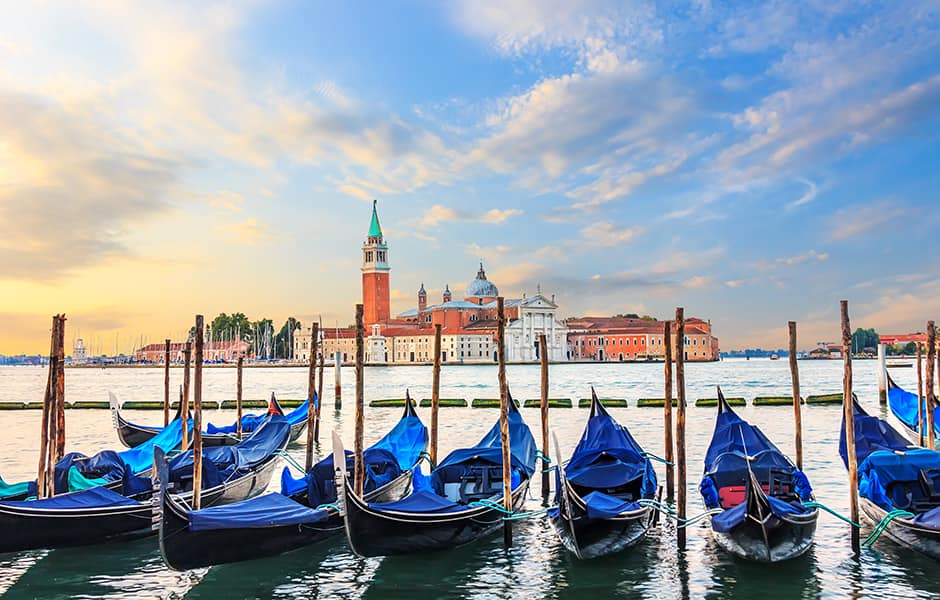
(752, 162)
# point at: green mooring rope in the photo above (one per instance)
(831, 512)
(883, 524)
(291, 461)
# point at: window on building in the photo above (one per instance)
(369, 256)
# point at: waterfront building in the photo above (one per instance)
(619, 339)
(228, 351)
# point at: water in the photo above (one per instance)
(536, 566)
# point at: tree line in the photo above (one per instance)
(262, 338)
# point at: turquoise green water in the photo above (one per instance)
(536, 566)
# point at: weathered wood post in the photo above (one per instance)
(929, 395)
(166, 382)
(312, 399)
(59, 448)
(669, 454)
(435, 391)
(882, 376)
(797, 411)
(43, 479)
(920, 397)
(680, 425)
(184, 410)
(848, 414)
(197, 415)
(316, 419)
(360, 402)
(504, 416)
(238, 396)
(543, 407)
(337, 379)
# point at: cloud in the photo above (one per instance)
(439, 213)
(71, 187)
(792, 261)
(808, 196)
(859, 220)
(606, 234)
(248, 231)
(489, 253)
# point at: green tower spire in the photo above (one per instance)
(375, 230)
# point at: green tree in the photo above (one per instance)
(864, 338)
(284, 340)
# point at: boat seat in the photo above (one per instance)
(732, 495)
(930, 481)
(902, 493)
(480, 482)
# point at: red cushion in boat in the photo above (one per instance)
(732, 495)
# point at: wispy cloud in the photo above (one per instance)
(859, 220)
(439, 213)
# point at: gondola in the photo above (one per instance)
(459, 502)
(99, 514)
(894, 475)
(119, 471)
(756, 493)
(597, 492)
(302, 513)
(132, 434)
(903, 405)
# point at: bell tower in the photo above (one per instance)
(375, 288)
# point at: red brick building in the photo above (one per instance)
(615, 339)
(212, 352)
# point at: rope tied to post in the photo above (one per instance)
(290, 460)
(831, 512)
(883, 525)
(652, 456)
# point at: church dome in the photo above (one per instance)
(481, 287)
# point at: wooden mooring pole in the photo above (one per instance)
(238, 396)
(543, 407)
(360, 402)
(929, 395)
(312, 399)
(435, 391)
(668, 442)
(848, 415)
(184, 409)
(680, 425)
(59, 447)
(882, 376)
(316, 418)
(337, 379)
(197, 414)
(166, 382)
(48, 426)
(920, 397)
(504, 416)
(797, 411)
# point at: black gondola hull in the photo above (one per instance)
(773, 540)
(592, 538)
(388, 533)
(904, 532)
(183, 549)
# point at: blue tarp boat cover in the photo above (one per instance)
(424, 501)
(521, 446)
(140, 457)
(97, 497)
(871, 434)
(106, 465)
(738, 447)
(929, 519)
(221, 463)
(904, 406)
(251, 421)
(269, 510)
(607, 457)
(397, 451)
(891, 479)
(7, 490)
(603, 506)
